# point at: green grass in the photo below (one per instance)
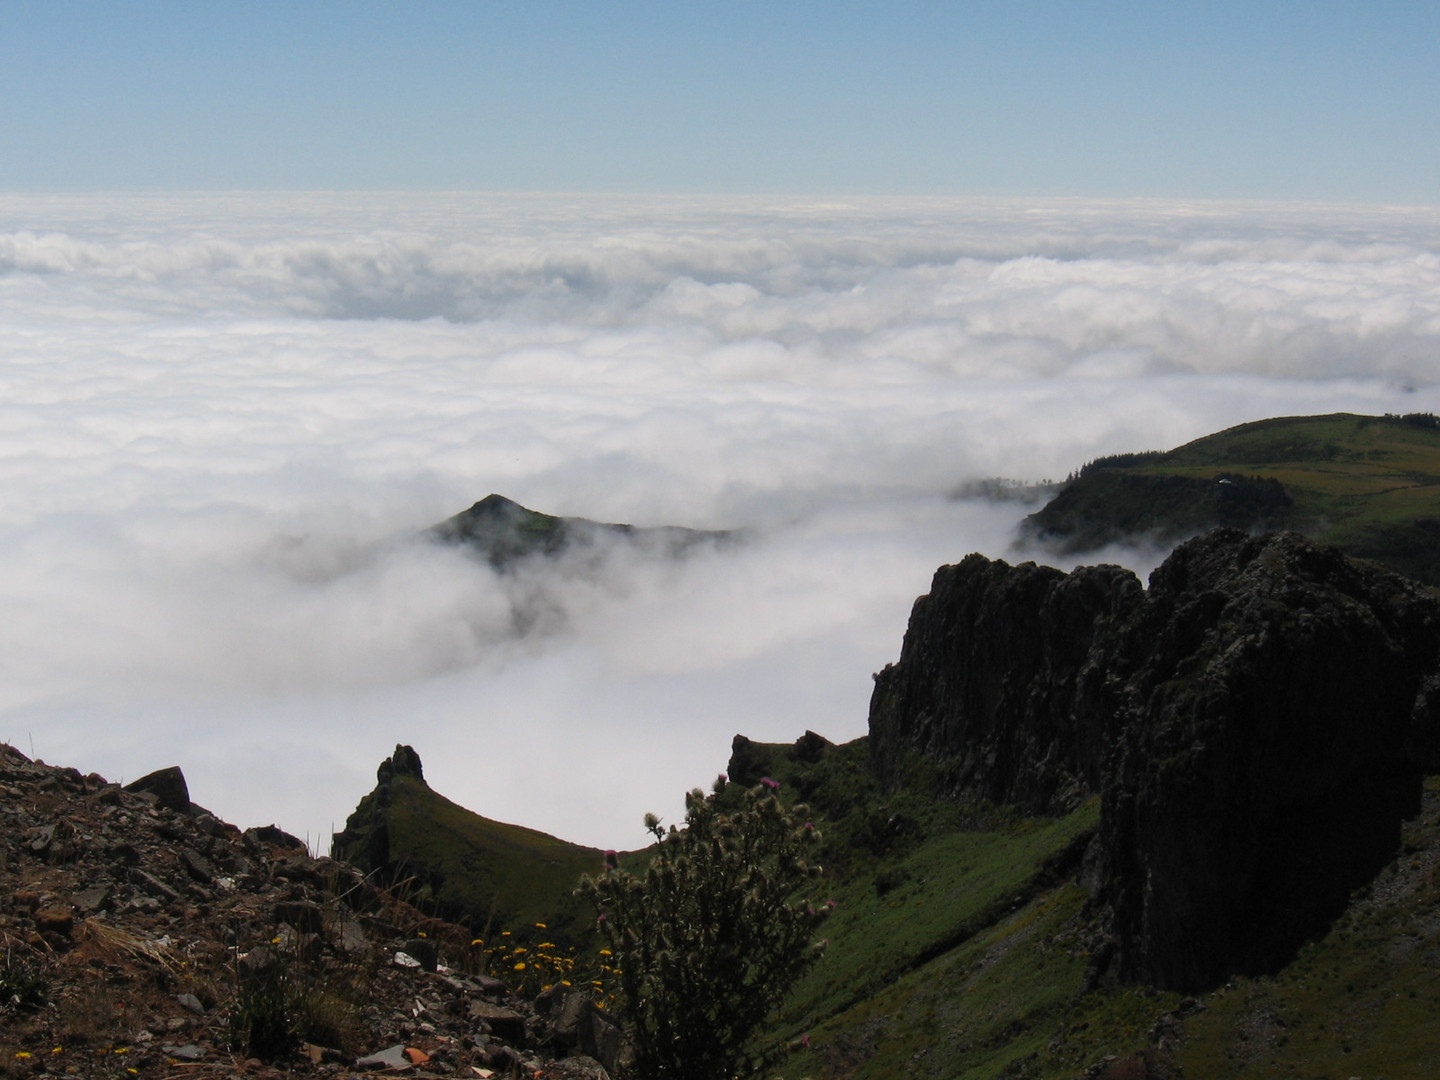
(952, 886)
(952, 949)
(993, 1000)
(482, 871)
(945, 976)
(1368, 484)
(1342, 470)
(959, 945)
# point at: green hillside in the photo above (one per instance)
(961, 944)
(960, 950)
(466, 867)
(1368, 484)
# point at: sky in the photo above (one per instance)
(1251, 99)
(283, 284)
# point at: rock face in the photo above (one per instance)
(996, 689)
(1257, 725)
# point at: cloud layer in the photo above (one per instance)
(224, 417)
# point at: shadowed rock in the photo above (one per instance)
(1257, 724)
(167, 785)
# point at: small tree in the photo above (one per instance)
(712, 938)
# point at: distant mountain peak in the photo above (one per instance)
(505, 532)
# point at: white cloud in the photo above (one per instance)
(221, 417)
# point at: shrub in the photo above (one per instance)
(282, 1001)
(710, 940)
(22, 985)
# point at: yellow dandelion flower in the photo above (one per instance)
(477, 941)
(520, 966)
(541, 926)
(22, 1054)
(606, 952)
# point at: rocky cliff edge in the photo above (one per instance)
(1257, 724)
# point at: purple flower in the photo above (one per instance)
(773, 785)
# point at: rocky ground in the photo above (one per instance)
(142, 937)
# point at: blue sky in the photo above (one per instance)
(1297, 100)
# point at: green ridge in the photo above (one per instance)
(470, 868)
(1368, 484)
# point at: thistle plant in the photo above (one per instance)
(713, 936)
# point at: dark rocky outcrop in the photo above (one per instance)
(365, 840)
(751, 761)
(167, 785)
(1277, 717)
(996, 693)
(1257, 725)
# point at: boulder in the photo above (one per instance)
(168, 786)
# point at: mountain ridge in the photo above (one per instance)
(1369, 485)
(504, 533)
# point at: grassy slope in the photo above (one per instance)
(954, 947)
(972, 964)
(1345, 472)
(1368, 484)
(953, 972)
(502, 874)
(958, 947)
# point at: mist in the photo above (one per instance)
(226, 419)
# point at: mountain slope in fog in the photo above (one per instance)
(1368, 484)
(504, 532)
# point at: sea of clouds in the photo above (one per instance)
(223, 419)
